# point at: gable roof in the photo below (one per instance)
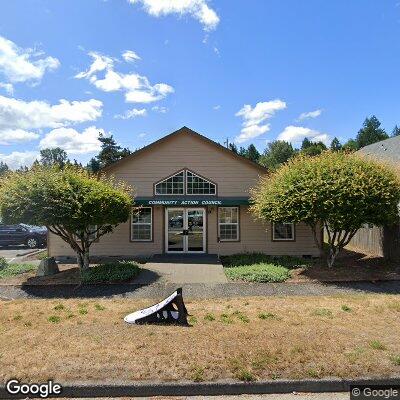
(187, 131)
(386, 150)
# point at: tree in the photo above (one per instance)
(306, 143)
(313, 149)
(53, 156)
(252, 153)
(335, 144)
(242, 151)
(93, 165)
(277, 152)
(370, 132)
(233, 147)
(3, 168)
(110, 151)
(336, 191)
(350, 146)
(72, 203)
(396, 131)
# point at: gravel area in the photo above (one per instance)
(198, 290)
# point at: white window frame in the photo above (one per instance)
(292, 239)
(169, 177)
(237, 223)
(142, 223)
(198, 176)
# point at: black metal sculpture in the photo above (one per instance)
(171, 310)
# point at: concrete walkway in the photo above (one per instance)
(182, 269)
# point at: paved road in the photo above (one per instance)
(12, 252)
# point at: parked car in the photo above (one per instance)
(31, 236)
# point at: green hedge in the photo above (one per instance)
(110, 272)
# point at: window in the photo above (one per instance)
(141, 229)
(185, 183)
(197, 185)
(282, 231)
(171, 185)
(228, 223)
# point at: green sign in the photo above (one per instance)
(174, 202)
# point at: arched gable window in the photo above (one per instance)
(185, 182)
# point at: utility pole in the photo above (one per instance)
(227, 143)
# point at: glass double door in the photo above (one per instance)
(185, 230)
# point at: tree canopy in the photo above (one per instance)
(277, 152)
(371, 132)
(70, 202)
(338, 191)
(53, 156)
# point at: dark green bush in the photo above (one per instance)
(246, 259)
(110, 272)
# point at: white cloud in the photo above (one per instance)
(18, 159)
(8, 87)
(142, 135)
(137, 88)
(295, 134)
(198, 9)
(310, 114)
(133, 113)
(253, 117)
(72, 141)
(160, 109)
(20, 114)
(8, 136)
(21, 65)
(217, 107)
(130, 56)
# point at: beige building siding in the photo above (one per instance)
(234, 178)
(255, 236)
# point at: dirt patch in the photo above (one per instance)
(246, 339)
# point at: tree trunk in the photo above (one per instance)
(79, 260)
(333, 252)
(85, 259)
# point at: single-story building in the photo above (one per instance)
(380, 241)
(193, 197)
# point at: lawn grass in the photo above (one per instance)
(110, 272)
(16, 269)
(243, 339)
(258, 267)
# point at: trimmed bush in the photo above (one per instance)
(259, 273)
(110, 272)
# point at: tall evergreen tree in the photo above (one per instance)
(3, 168)
(252, 153)
(396, 131)
(314, 149)
(242, 151)
(335, 144)
(306, 143)
(54, 156)
(233, 147)
(277, 153)
(110, 151)
(371, 132)
(93, 165)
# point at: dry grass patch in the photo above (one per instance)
(252, 339)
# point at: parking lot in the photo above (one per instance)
(11, 253)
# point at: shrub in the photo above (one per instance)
(259, 273)
(110, 272)
(3, 263)
(240, 259)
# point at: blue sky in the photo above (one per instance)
(140, 69)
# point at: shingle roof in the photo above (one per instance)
(385, 150)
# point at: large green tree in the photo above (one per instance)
(396, 131)
(53, 156)
(337, 191)
(313, 149)
(110, 151)
(335, 144)
(277, 153)
(72, 203)
(3, 168)
(371, 132)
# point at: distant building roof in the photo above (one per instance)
(385, 150)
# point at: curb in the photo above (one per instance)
(31, 253)
(142, 389)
